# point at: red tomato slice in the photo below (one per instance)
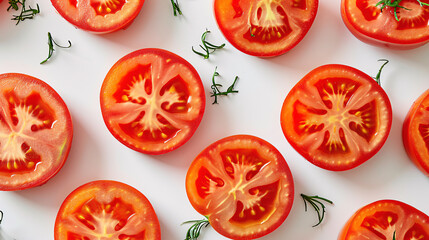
(415, 132)
(371, 25)
(243, 185)
(265, 28)
(99, 16)
(380, 220)
(152, 101)
(106, 210)
(35, 132)
(336, 117)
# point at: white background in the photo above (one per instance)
(77, 74)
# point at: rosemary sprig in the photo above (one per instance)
(51, 43)
(207, 47)
(377, 78)
(176, 8)
(195, 230)
(25, 13)
(395, 5)
(215, 87)
(315, 201)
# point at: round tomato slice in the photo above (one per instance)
(336, 117)
(265, 28)
(243, 185)
(106, 210)
(35, 132)
(369, 23)
(99, 16)
(415, 132)
(152, 101)
(383, 219)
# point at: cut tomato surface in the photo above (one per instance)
(336, 117)
(152, 101)
(35, 132)
(243, 185)
(383, 219)
(373, 25)
(265, 28)
(415, 132)
(99, 16)
(106, 210)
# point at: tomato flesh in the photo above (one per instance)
(336, 117)
(243, 185)
(35, 132)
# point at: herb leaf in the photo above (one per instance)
(377, 78)
(195, 230)
(51, 44)
(395, 5)
(315, 201)
(176, 9)
(394, 235)
(25, 13)
(215, 87)
(207, 47)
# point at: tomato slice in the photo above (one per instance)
(152, 101)
(106, 210)
(35, 132)
(265, 28)
(336, 117)
(382, 219)
(415, 132)
(243, 185)
(372, 25)
(99, 16)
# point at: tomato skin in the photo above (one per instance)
(96, 17)
(160, 80)
(216, 186)
(415, 122)
(118, 209)
(384, 218)
(293, 20)
(336, 117)
(386, 32)
(37, 122)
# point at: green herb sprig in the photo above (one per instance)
(176, 8)
(315, 202)
(215, 87)
(207, 47)
(51, 43)
(394, 235)
(25, 13)
(377, 78)
(195, 230)
(395, 5)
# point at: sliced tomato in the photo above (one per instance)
(369, 23)
(243, 185)
(99, 16)
(383, 219)
(265, 28)
(106, 210)
(152, 101)
(415, 132)
(336, 117)
(35, 132)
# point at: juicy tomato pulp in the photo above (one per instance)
(99, 16)
(382, 219)
(415, 132)
(372, 25)
(243, 185)
(265, 28)
(106, 210)
(152, 101)
(337, 117)
(35, 132)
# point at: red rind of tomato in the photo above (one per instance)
(243, 185)
(336, 117)
(152, 101)
(382, 219)
(415, 132)
(99, 16)
(106, 210)
(265, 28)
(369, 24)
(36, 132)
